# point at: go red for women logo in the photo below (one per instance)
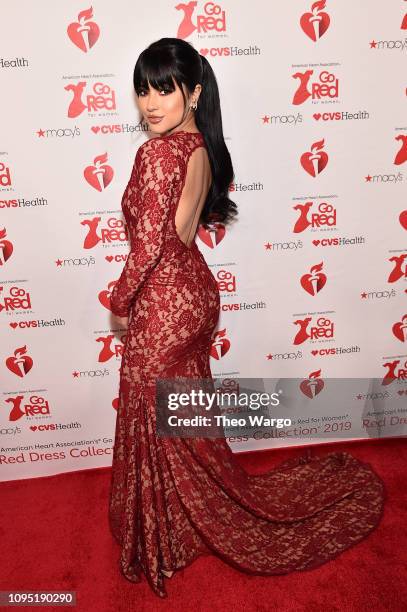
(100, 97)
(211, 19)
(112, 231)
(323, 87)
(323, 216)
(84, 33)
(399, 268)
(315, 23)
(99, 175)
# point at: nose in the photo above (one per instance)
(152, 102)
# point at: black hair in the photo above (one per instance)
(173, 59)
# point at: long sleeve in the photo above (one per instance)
(147, 210)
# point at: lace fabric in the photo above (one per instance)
(173, 499)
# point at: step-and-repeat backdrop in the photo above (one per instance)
(313, 275)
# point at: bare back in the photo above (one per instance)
(197, 183)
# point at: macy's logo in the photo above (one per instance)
(213, 18)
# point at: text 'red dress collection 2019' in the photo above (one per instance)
(173, 499)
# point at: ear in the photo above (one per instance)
(197, 90)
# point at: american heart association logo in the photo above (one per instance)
(20, 364)
(84, 33)
(211, 234)
(316, 23)
(315, 160)
(313, 385)
(100, 175)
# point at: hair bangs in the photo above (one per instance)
(157, 70)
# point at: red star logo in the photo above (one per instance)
(75, 374)
(41, 133)
(268, 245)
(373, 44)
(266, 119)
(359, 397)
(59, 262)
(368, 178)
(269, 356)
(364, 295)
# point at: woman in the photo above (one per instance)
(173, 499)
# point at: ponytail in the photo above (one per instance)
(208, 118)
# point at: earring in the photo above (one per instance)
(194, 106)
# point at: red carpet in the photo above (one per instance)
(55, 535)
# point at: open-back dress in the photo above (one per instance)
(173, 499)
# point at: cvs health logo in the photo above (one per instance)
(315, 161)
(399, 329)
(6, 247)
(312, 385)
(220, 344)
(211, 234)
(399, 269)
(212, 18)
(323, 216)
(99, 175)
(99, 97)
(84, 33)
(315, 23)
(325, 85)
(314, 281)
(323, 328)
(20, 363)
(114, 231)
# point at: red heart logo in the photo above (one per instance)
(13, 325)
(316, 242)
(33, 428)
(403, 219)
(98, 177)
(314, 352)
(109, 258)
(84, 36)
(95, 129)
(308, 165)
(204, 51)
(317, 116)
(315, 26)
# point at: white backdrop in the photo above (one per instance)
(312, 277)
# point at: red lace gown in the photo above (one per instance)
(173, 499)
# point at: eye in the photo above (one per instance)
(165, 91)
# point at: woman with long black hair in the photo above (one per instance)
(172, 498)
